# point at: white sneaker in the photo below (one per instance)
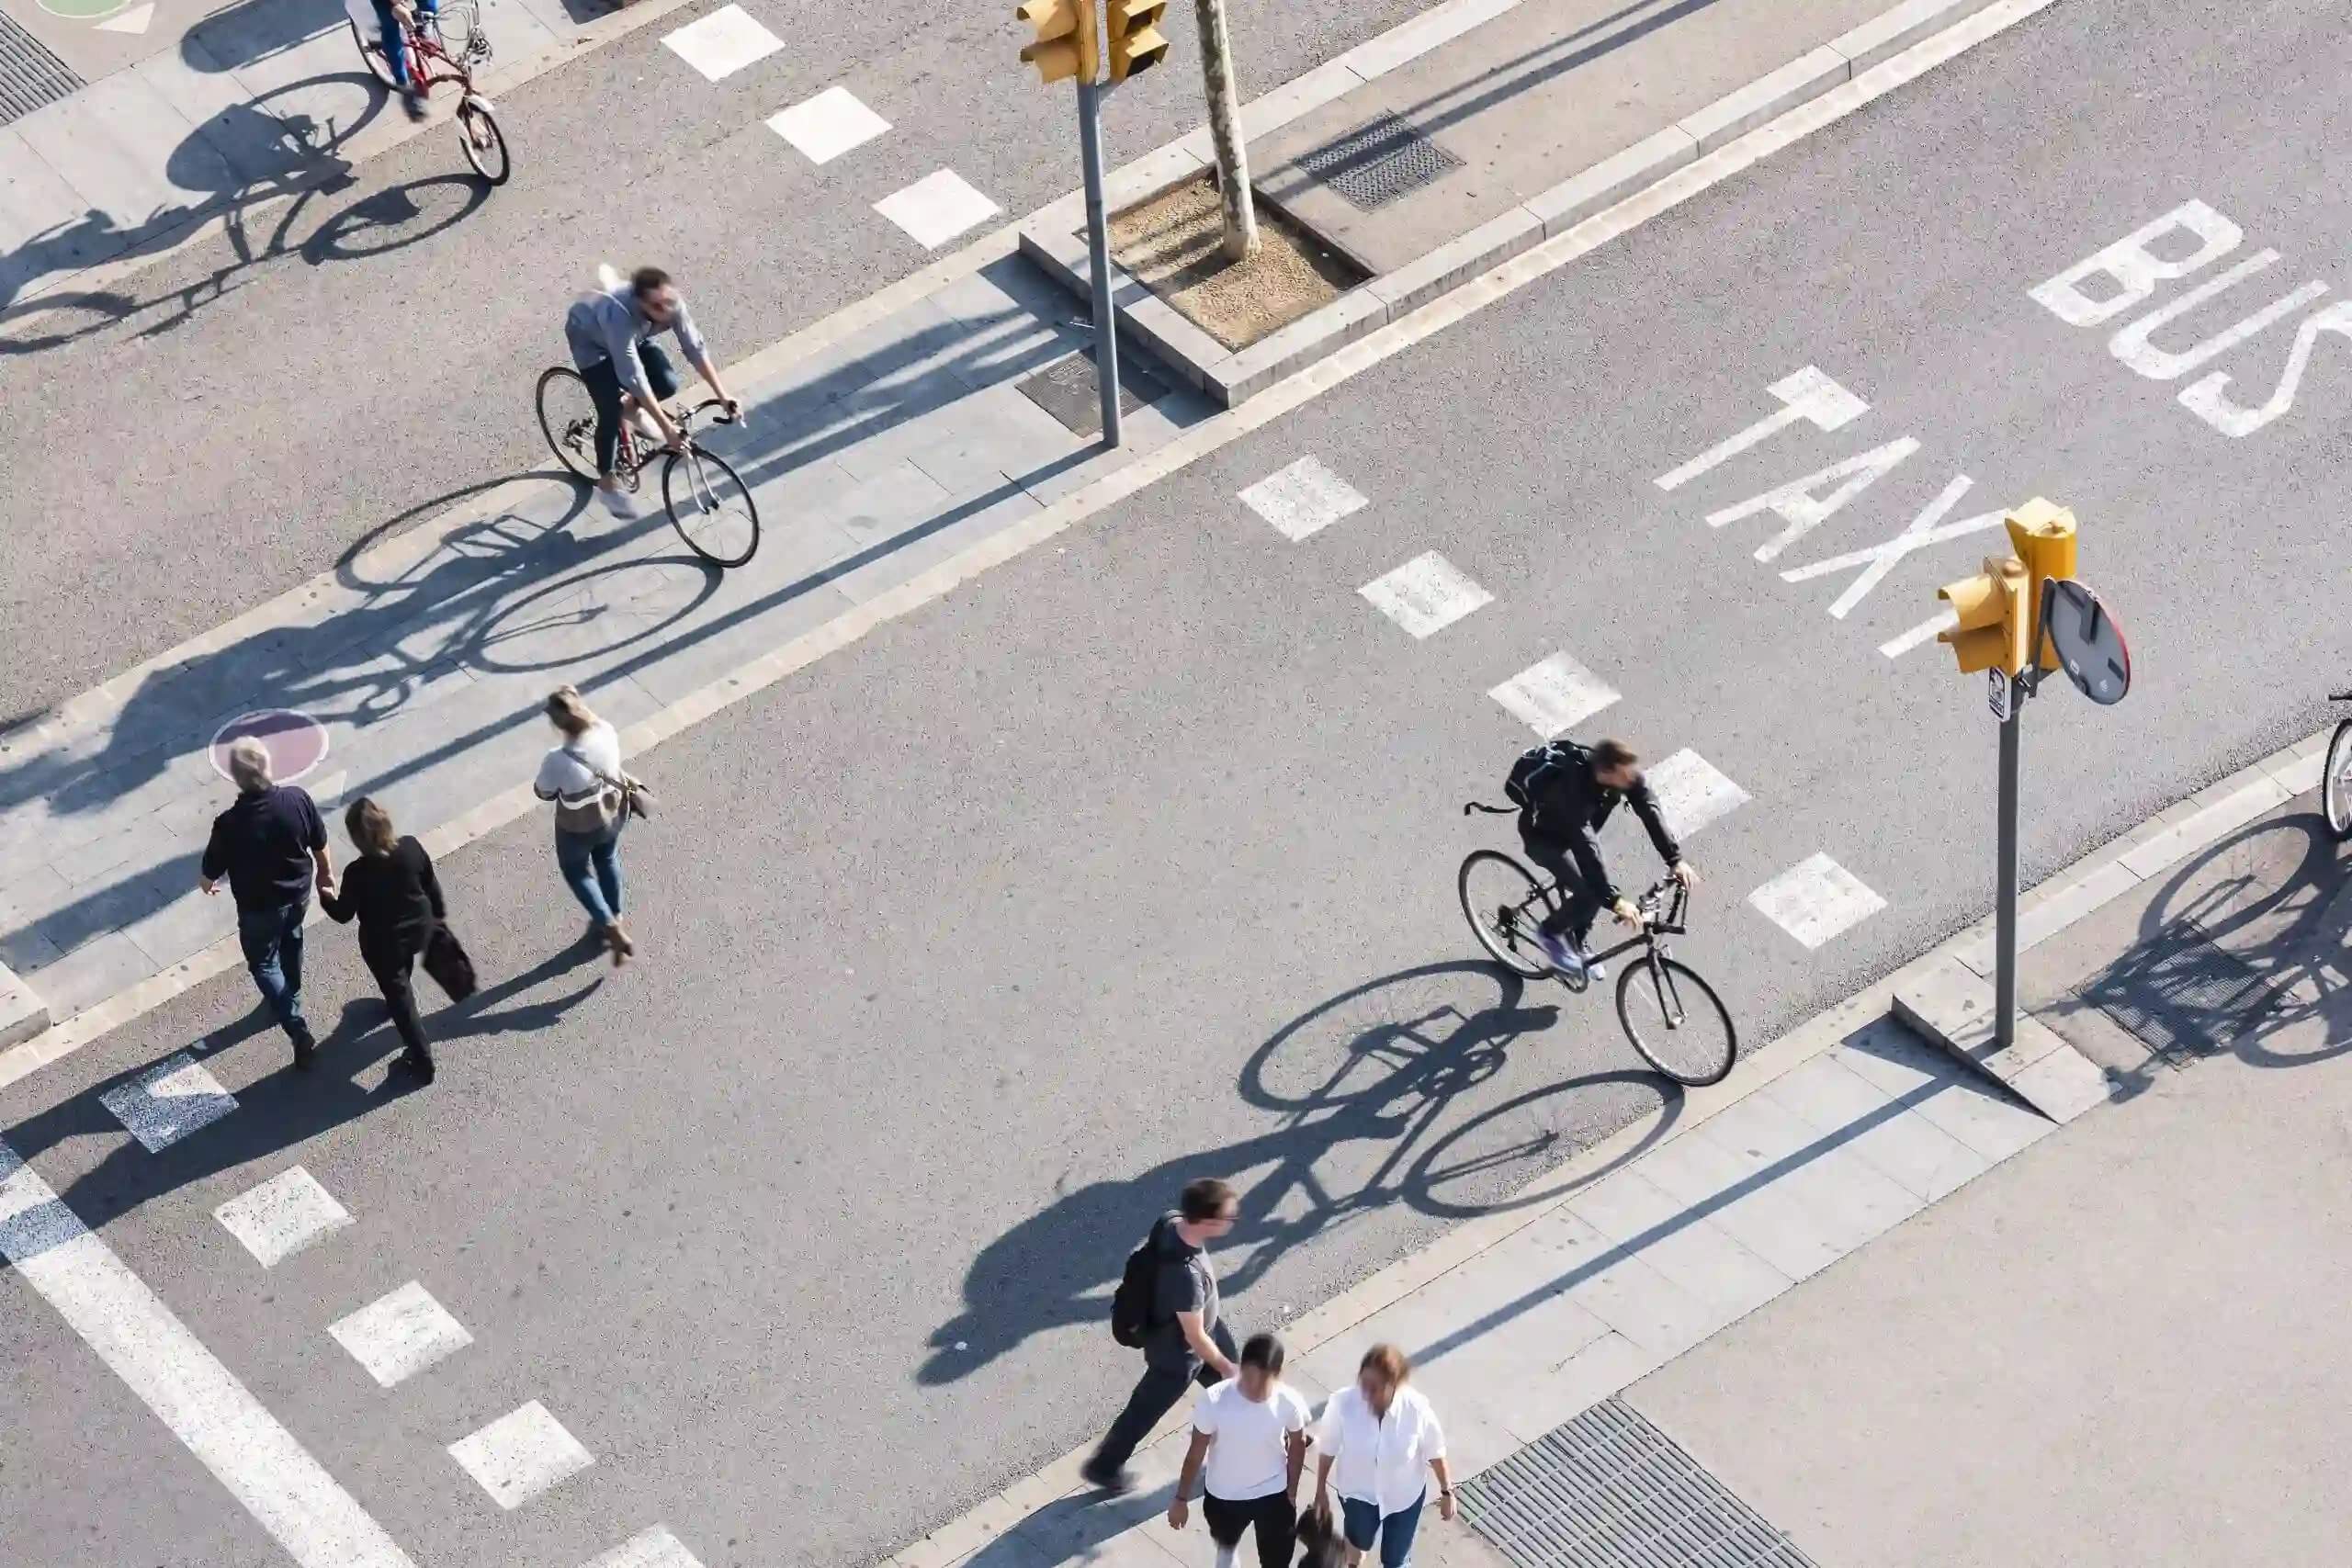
(617, 502)
(643, 422)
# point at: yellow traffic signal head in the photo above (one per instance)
(1065, 45)
(2042, 534)
(1137, 43)
(1993, 619)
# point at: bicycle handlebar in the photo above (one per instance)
(742, 417)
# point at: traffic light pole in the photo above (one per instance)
(1098, 247)
(2005, 904)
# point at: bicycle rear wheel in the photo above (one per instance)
(2336, 784)
(710, 506)
(484, 143)
(1504, 904)
(372, 50)
(568, 419)
(1676, 1020)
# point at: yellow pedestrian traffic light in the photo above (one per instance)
(1064, 45)
(1993, 620)
(2042, 534)
(1136, 42)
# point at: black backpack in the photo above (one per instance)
(1132, 1304)
(1537, 769)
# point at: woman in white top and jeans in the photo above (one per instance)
(582, 775)
(1380, 1436)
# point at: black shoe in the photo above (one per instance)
(414, 102)
(421, 1066)
(306, 1050)
(1117, 1483)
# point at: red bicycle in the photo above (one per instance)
(443, 46)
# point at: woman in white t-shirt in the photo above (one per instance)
(1250, 1434)
(582, 775)
(1379, 1435)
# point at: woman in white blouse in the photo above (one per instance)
(581, 774)
(1379, 1437)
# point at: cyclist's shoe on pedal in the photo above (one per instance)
(615, 501)
(1561, 953)
(414, 102)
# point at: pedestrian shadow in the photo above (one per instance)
(2245, 949)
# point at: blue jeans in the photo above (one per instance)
(272, 940)
(1362, 1520)
(591, 863)
(395, 47)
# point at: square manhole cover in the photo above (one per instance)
(1610, 1490)
(1378, 162)
(30, 75)
(1067, 391)
(2183, 996)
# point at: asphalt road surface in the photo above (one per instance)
(194, 439)
(1134, 859)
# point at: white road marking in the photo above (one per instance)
(520, 1455)
(2132, 344)
(1302, 498)
(1426, 594)
(1692, 793)
(657, 1548)
(723, 42)
(1807, 395)
(1817, 899)
(400, 1335)
(1878, 559)
(828, 125)
(2133, 267)
(1942, 621)
(316, 1521)
(281, 1216)
(168, 1101)
(138, 19)
(1554, 696)
(936, 209)
(1795, 504)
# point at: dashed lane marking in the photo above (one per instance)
(828, 125)
(306, 1512)
(400, 1335)
(657, 1548)
(1426, 594)
(1692, 793)
(936, 209)
(723, 42)
(1815, 901)
(1554, 695)
(281, 1216)
(168, 1101)
(520, 1455)
(1302, 498)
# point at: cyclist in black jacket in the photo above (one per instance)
(1564, 793)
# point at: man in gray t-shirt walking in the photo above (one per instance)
(1188, 1341)
(611, 335)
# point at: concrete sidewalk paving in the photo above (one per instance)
(873, 459)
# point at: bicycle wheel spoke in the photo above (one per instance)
(1504, 904)
(1676, 1020)
(710, 506)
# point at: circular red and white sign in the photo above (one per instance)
(296, 742)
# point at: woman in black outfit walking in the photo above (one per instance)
(391, 888)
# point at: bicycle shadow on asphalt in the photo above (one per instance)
(284, 1109)
(2244, 949)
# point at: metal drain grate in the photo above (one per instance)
(1608, 1490)
(1376, 164)
(2183, 996)
(29, 75)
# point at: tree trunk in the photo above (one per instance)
(1224, 129)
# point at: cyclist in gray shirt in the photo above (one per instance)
(611, 334)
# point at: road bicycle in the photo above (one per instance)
(708, 500)
(2336, 784)
(1673, 1018)
(443, 46)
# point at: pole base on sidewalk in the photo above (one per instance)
(1949, 1004)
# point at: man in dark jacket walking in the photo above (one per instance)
(1564, 793)
(267, 846)
(1188, 1339)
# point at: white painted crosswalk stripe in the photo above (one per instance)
(168, 1101)
(1692, 793)
(281, 1216)
(520, 1455)
(1552, 696)
(657, 1548)
(1300, 499)
(936, 209)
(317, 1523)
(400, 1335)
(1815, 901)
(723, 42)
(1426, 594)
(828, 125)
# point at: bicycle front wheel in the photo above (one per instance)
(485, 144)
(1676, 1020)
(710, 506)
(1504, 904)
(2336, 784)
(370, 45)
(568, 419)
